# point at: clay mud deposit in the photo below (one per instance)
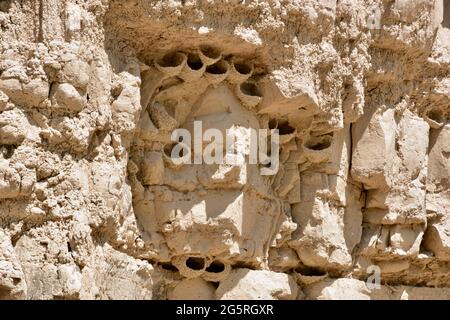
(93, 206)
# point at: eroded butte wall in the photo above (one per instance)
(92, 206)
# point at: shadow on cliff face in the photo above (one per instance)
(446, 22)
(4, 293)
(5, 5)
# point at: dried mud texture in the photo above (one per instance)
(92, 206)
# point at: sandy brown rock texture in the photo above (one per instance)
(93, 205)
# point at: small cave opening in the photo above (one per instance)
(250, 89)
(243, 68)
(167, 266)
(273, 124)
(318, 146)
(195, 263)
(210, 52)
(310, 272)
(216, 267)
(171, 59)
(219, 67)
(283, 126)
(7, 151)
(194, 62)
(319, 143)
(437, 116)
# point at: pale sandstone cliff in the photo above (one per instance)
(92, 207)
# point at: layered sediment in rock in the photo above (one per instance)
(93, 205)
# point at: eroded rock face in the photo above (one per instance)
(345, 289)
(245, 284)
(93, 205)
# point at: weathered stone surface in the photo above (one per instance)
(245, 284)
(95, 202)
(193, 289)
(64, 95)
(353, 289)
(12, 279)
